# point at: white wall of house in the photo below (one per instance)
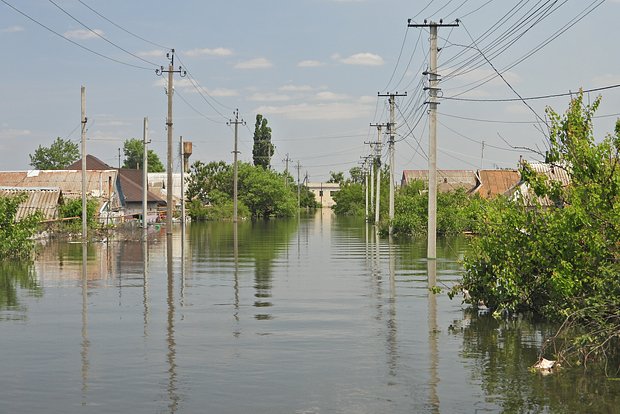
(323, 193)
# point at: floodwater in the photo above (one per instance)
(315, 315)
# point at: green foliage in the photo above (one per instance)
(16, 236)
(73, 208)
(336, 177)
(263, 148)
(357, 175)
(562, 261)
(204, 178)
(261, 192)
(457, 212)
(306, 198)
(57, 156)
(265, 193)
(350, 200)
(134, 153)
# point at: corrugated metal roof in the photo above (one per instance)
(45, 200)
(497, 182)
(98, 183)
(553, 172)
(447, 180)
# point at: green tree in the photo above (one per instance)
(357, 175)
(263, 148)
(265, 193)
(16, 236)
(336, 177)
(203, 179)
(57, 156)
(73, 208)
(560, 261)
(133, 149)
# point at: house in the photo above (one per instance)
(130, 188)
(323, 193)
(552, 172)
(157, 184)
(447, 180)
(492, 183)
(101, 186)
(45, 200)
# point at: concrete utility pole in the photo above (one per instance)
(392, 132)
(83, 122)
(286, 160)
(170, 71)
(298, 187)
(377, 147)
(236, 123)
(145, 169)
(431, 248)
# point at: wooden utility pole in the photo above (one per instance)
(170, 71)
(145, 169)
(83, 137)
(431, 248)
(236, 123)
(182, 155)
(392, 132)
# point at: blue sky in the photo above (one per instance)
(313, 68)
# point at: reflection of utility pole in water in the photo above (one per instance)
(171, 356)
(145, 285)
(432, 336)
(237, 330)
(183, 231)
(85, 342)
(392, 340)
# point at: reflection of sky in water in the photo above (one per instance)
(316, 316)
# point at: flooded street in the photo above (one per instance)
(314, 315)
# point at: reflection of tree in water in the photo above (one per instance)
(14, 276)
(504, 351)
(260, 242)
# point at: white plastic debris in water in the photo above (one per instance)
(545, 365)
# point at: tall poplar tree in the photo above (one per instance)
(263, 148)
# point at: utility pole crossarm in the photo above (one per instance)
(431, 23)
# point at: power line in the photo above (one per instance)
(531, 98)
(32, 19)
(100, 35)
(122, 28)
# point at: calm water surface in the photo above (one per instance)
(308, 316)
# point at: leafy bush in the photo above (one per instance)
(560, 261)
(16, 236)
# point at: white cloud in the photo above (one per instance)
(605, 79)
(321, 111)
(361, 59)
(81, 34)
(222, 92)
(258, 63)
(268, 97)
(329, 96)
(12, 29)
(218, 51)
(156, 53)
(11, 133)
(310, 64)
(295, 88)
